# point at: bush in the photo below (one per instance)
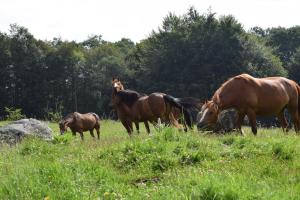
(14, 114)
(54, 116)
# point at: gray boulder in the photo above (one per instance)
(15, 131)
(226, 122)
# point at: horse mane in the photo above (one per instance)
(68, 116)
(129, 97)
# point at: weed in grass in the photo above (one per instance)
(282, 152)
(228, 140)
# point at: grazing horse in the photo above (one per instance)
(134, 107)
(193, 105)
(79, 123)
(254, 96)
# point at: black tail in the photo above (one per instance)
(175, 102)
(191, 103)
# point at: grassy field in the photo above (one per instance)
(165, 165)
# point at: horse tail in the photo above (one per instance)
(174, 102)
(96, 116)
(191, 103)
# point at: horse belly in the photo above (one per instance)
(157, 104)
(273, 102)
(142, 111)
(88, 125)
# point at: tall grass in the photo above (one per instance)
(164, 165)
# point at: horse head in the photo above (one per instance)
(208, 115)
(117, 85)
(63, 124)
(62, 127)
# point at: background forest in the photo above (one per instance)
(189, 55)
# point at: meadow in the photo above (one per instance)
(167, 164)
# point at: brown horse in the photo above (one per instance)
(134, 107)
(254, 96)
(79, 123)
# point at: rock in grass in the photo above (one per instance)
(227, 120)
(15, 131)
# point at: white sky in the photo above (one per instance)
(134, 19)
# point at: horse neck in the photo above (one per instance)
(69, 121)
(114, 95)
(222, 103)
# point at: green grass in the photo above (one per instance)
(165, 165)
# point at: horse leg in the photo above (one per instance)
(137, 127)
(173, 121)
(74, 133)
(252, 118)
(130, 126)
(295, 118)
(97, 128)
(147, 127)
(126, 125)
(81, 134)
(240, 119)
(282, 121)
(92, 133)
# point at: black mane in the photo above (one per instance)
(129, 97)
(70, 115)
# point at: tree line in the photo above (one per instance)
(189, 55)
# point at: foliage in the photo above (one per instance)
(189, 55)
(14, 114)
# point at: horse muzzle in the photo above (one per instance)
(201, 126)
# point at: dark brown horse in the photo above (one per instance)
(79, 123)
(193, 105)
(254, 96)
(134, 107)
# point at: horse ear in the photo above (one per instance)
(216, 106)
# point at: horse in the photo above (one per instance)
(137, 126)
(192, 104)
(131, 107)
(254, 96)
(78, 122)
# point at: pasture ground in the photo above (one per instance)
(165, 165)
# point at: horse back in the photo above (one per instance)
(149, 107)
(86, 121)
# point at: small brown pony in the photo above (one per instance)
(79, 123)
(254, 96)
(134, 107)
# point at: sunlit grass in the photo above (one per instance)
(165, 165)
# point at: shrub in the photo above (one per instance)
(54, 116)
(14, 114)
